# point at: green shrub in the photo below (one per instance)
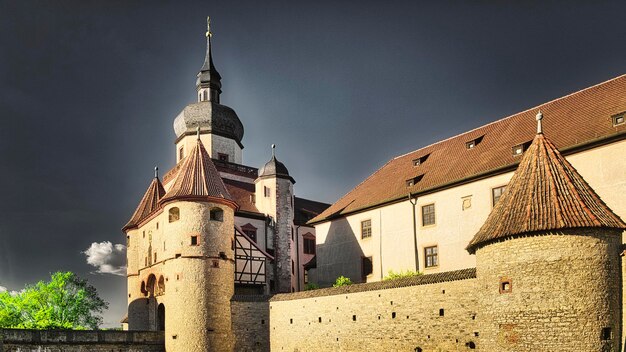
(311, 286)
(342, 281)
(392, 275)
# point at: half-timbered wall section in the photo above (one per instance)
(250, 261)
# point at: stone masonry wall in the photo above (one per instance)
(563, 292)
(251, 323)
(434, 312)
(14, 340)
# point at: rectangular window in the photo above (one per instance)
(496, 193)
(155, 257)
(428, 215)
(181, 153)
(366, 228)
(431, 257)
(309, 245)
(293, 268)
(250, 233)
(366, 267)
(222, 157)
(194, 240)
(618, 119)
(266, 191)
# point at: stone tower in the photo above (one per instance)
(220, 128)
(548, 261)
(274, 196)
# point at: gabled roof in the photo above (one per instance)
(148, 204)
(575, 120)
(545, 193)
(198, 179)
(242, 193)
(305, 210)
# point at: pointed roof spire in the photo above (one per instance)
(273, 150)
(545, 193)
(198, 179)
(539, 117)
(149, 202)
(208, 77)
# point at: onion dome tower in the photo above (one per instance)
(220, 127)
(202, 269)
(548, 264)
(274, 197)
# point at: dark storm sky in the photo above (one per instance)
(89, 91)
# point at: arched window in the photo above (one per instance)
(151, 285)
(217, 214)
(174, 214)
(143, 288)
(161, 285)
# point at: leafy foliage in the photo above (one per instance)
(66, 302)
(392, 275)
(342, 281)
(311, 286)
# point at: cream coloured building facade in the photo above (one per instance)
(588, 128)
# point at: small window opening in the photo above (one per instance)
(223, 255)
(606, 334)
(216, 264)
(441, 312)
(177, 255)
(262, 321)
(471, 345)
(174, 214)
(194, 240)
(419, 161)
(521, 148)
(476, 333)
(181, 154)
(266, 191)
(354, 318)
(216, 214)
(505, 285)
(393, 315)
(418, 349)
(366, 228)
(319, 320)
(413, 181)
(473, 143)
(618, 119)
(290, 321)
(222, 157)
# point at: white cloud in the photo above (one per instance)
(107, 257)
(3, 289)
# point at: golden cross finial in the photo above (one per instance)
(208, 27)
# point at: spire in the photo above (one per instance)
(209, 83)
(198, 179)
(273, 150)
(545, 193)
(149, 202)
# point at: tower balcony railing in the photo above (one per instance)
(242, 170)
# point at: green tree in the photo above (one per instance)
(65, 302)
(342, 281)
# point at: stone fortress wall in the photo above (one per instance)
(80, 340)
(435, 312)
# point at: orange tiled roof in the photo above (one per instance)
(242, 193)
(148, 204)
(574, 120)
(198, 178)
(545, 193)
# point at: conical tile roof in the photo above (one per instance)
(148, 204)
(545, 193)
(198, 179)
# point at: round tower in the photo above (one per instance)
(547, 261)
(201, 269)
(274, 197)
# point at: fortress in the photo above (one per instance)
(516, 226)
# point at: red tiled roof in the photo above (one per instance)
(242, 193)
(577, 119)
(148, 204)
(198, 178)
(545, 193)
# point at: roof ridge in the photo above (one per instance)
(513, 115)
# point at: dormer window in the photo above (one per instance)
(618, 119)
(413, 181)
(521, 148)
(473, 143)
(419, 161)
